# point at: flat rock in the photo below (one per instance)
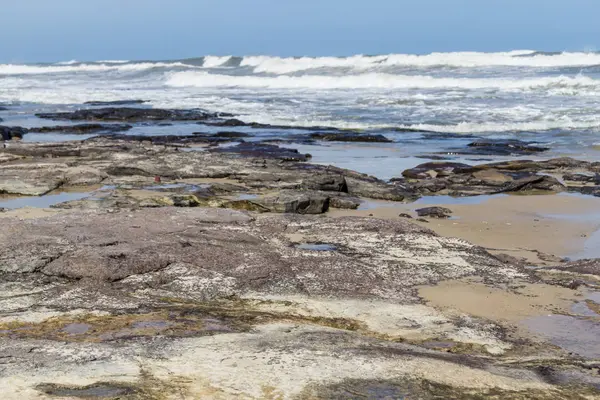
(129, 115)
(349, 137)
(82, 128)
(490, 147)
(257, 150)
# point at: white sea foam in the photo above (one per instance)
(518, 58)
(17, 69)
(67, 62)
(374, 81)
(215, 61)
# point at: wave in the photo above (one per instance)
(373, 81)
(215, 61)
(19, 69)
(517, 58)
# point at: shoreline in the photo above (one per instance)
(245, 266)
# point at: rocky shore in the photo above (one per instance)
(182, 268)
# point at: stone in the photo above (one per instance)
(405, 215)
(349, 137)
(349, 203)
(434, 212)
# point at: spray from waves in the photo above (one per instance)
(204, 79)
(17, 69)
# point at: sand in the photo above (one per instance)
(510, 304)
(521, 226)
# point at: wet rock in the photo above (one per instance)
(510, 176)
(404, 215)
(129, 115)
(434, 212)
(376, 189)
(588, 190)
(535, 182)
(170, 139)
(349, 137)
(575, 177)
(255, 125)
(295, 202)
(82, 128)
(490, 177)
(491, 147)
(12, 132)
(114, 103)
(441, 169)
(326, 182)
(587, 267)
(230, 135)
(226, 123)
(349, 203)
(257, 150)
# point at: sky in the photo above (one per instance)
(86, 30)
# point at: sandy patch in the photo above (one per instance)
(514, 304)
(517, 225)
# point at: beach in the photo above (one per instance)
(279, 228)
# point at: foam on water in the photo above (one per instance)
(518, 58)
(513, 94)
(375, 81)
(71, 67)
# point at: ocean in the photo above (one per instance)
(549, 98)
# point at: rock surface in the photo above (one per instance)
(82, 128)
(434, 212)
(442, 178)
(189, 303)
(349, 137)
(129, 115)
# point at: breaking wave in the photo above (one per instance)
(204, 79)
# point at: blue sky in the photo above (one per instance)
(59, 30)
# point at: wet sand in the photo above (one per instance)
(511, 304)
(521, 226)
